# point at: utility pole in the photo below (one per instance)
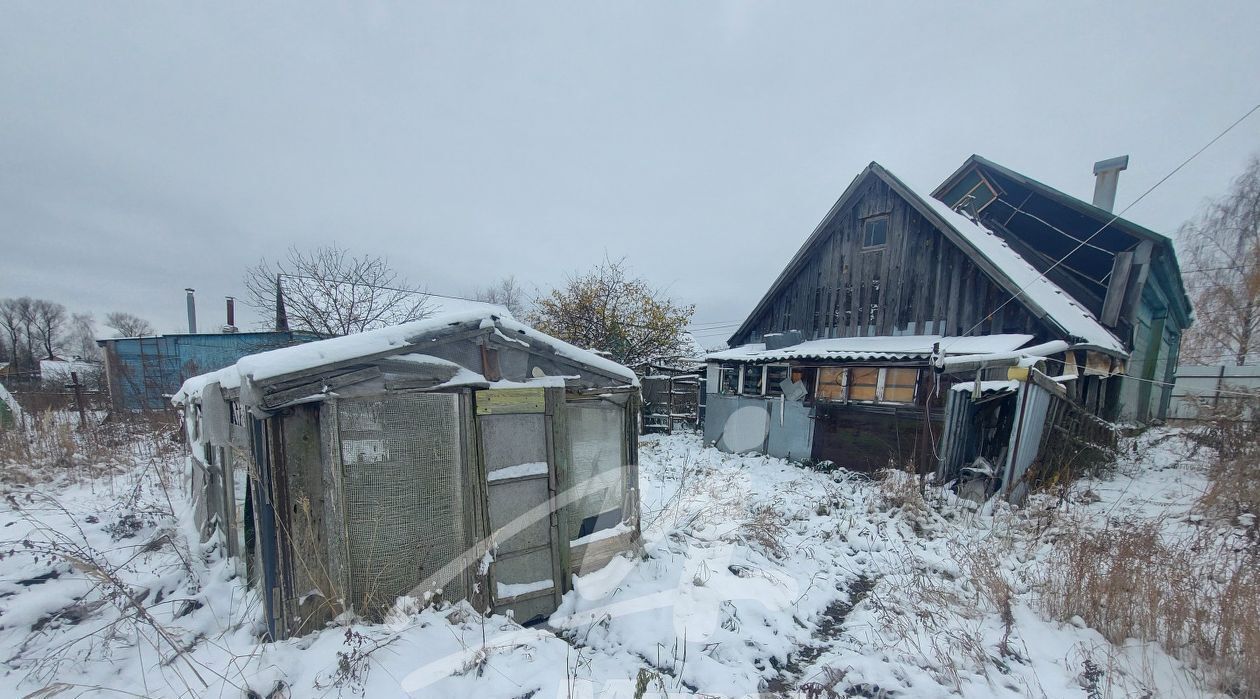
(78, 398)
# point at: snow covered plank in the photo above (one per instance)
(536, 468)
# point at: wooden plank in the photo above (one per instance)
(503, 401)
(318, 386)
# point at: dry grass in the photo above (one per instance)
(766, 526)
(52, 445)
(1200, 599)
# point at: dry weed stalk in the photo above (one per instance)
(1198, 598)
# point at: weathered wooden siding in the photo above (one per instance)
(918, 283)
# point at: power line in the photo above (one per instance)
(1113, 219)
(1227, 268)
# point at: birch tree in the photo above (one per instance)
(1222, 260)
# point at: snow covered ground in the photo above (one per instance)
(756, 576)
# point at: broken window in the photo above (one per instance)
(971, 195)
(803, 380)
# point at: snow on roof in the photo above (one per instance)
(1062, 309)
(287, 360)
(890, 347)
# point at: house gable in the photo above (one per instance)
(924, 278)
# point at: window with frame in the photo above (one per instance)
(753, 379)
(867, 384)
(899, 384)
(875, 232)
(775, 376)
(729, 382)
(972, 194)
(864, 383)
(830, 383)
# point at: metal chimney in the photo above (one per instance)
(192, 312)
(1106, 177)
(231, 316)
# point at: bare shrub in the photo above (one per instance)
(1200, 599)
(903, 489)
(1231, 427)
(767, 526)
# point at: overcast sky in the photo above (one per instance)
(147, 147)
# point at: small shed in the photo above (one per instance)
(465, 455)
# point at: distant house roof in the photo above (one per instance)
(1010, 271)
(406, 338)
(245, 335)
(877, 348)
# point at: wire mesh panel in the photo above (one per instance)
(404, 494)
(597, 441)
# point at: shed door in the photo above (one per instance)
(520, 483)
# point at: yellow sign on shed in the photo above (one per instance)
(503, 401)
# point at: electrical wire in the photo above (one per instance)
(1113, 219)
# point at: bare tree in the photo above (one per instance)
(331, 292)
(81, 337)
(49, 322)
(1222, 247)
(606, 309)
(128, 325)
(507, 293)
(11, 316)
(26, 316)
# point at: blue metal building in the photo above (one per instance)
(143, 372)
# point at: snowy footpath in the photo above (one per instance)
(756, 577)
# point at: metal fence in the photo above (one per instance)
(1200, 388)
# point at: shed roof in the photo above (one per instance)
(397, 339)
(882, 348)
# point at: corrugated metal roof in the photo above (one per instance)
(882, 348)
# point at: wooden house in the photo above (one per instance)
(835, 362)
(1125, 275)
(465, 455)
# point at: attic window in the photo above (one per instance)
(875, 232)
(971, 195)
